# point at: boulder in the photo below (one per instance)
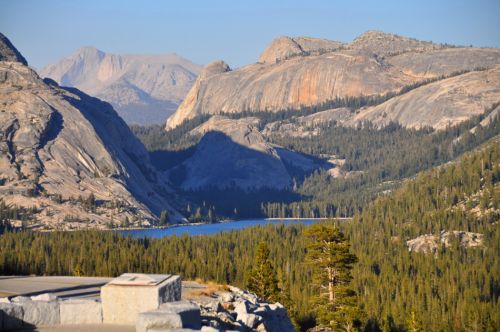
(40, 313)
(11, 316)
(157, 320)
(249, 320)
(214, 306)
(244, 307)
(187, 311)
(226, 297)
(78, 312)
(209, 329)
(276, 319)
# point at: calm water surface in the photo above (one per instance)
(209, 228)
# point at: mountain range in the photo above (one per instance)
(309, 124)
(144, 89)
(293, 73)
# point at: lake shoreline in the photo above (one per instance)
(215, 227)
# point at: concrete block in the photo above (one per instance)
(188, 311)
(157, 320)
(80, 312)
(126, 296)
(11, 316)
(40, 313)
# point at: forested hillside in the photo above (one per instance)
(456, 289)
(371, 161)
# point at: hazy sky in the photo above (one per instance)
(235, 31)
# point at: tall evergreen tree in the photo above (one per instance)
(331, 261)
(262, 279)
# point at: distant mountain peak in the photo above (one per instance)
(144, 89)
(8, 52)
(89, 51)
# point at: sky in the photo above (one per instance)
(236, 31)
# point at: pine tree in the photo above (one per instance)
(262, 279)
(331, 262)
(164, 218)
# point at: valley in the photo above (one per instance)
(326, 184)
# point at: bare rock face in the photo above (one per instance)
(60, 144)
(283, 48)
(296, 72)
(430, 243)
(143, 89)
(280, 48)
(8, 52)
(385, 44)
(233, 153)
(439, 104)
(185, 112)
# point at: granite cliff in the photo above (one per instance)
(70, 156)
(296, 72)
(144, 89)
(235, 154)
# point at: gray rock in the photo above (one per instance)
(156, 319)
(40, 313)
(214, 306)
(250, 320)
(187, 311)
(276, 319)
(77, 312)
(46, 297)
(430, 243)
(209, 329)
(226, 297)
(11, 316)
(20, 299)
(4, 300)
(242, 308)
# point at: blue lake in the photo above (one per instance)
(207, 229)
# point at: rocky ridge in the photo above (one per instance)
(234, 153)
(144, 89)
(288, 77)
(439, 104)
(72, 158)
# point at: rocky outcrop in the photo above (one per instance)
(60, 144)
(233, 153)
(8, 52)
(430, 243)
(440, 104)
(283, 48)
(386, 44)
(237, 309)
(297, 72)
(144, 89)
